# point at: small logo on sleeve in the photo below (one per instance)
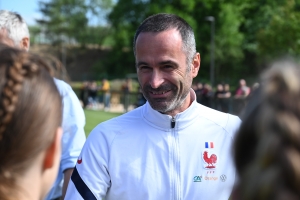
(79, 161)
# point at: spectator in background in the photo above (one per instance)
(199, 92)
(226, 99)
(15, 33)
(219, 95)
(105, 88)
(194, 86)
(243, 90)
(126, 89)
(267, 145)
(227, 92)
(254, 86)
(140, 98)
(222, 97)
(93, 95)
(207, 95)
(240, 96)
(84, 93)
(30, 120)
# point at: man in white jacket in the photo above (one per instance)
(170, 148)
(14, 32)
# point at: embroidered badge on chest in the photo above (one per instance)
(209, 156)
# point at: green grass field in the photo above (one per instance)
(94, 117)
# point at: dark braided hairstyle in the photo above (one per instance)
(267, 145)
(30, 113)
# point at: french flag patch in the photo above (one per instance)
(209, 145)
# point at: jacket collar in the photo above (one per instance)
(163, 122)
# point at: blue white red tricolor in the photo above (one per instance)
(209, 145)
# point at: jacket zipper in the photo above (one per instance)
(173, 122)
(175, 160)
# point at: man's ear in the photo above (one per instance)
(54, 150)
(25, 43)
(196, 65)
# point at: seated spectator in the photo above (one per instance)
(30, 119)
(267, 145)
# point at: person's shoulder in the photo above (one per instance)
(227, 121)
(110, 129)
(124, 120)
(62, 86)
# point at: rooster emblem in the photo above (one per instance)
(211, 161)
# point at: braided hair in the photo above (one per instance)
(30, 113)
(267, 145)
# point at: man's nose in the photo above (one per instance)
(156, 79)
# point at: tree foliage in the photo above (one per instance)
(68, 21)
(247, 33)
(282, 36)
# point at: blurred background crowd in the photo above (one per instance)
(93, 41)
(126, 96)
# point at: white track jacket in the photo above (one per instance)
(146, 155)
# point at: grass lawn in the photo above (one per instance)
(94, 117)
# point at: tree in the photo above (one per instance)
(127, 15)
(282, 35)
(67, 21)
(64, 20)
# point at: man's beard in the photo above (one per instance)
(168, 104)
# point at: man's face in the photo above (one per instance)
(5, 39)
(163, 72)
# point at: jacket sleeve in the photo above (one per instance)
(73, 123)
(90, 179)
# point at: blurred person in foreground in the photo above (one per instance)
(30, 131)
(171, 147)
(267, 145)
(14, 32)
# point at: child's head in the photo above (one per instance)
(30, 117)
(267, 145)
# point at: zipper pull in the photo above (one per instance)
(173, 122)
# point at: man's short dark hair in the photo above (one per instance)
(162, 22)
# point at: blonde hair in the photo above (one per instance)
(267, 145)
(30, 113)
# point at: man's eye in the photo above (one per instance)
(144, 68)
(168, 67)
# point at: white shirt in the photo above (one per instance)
(73, 136)
(139, 156)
